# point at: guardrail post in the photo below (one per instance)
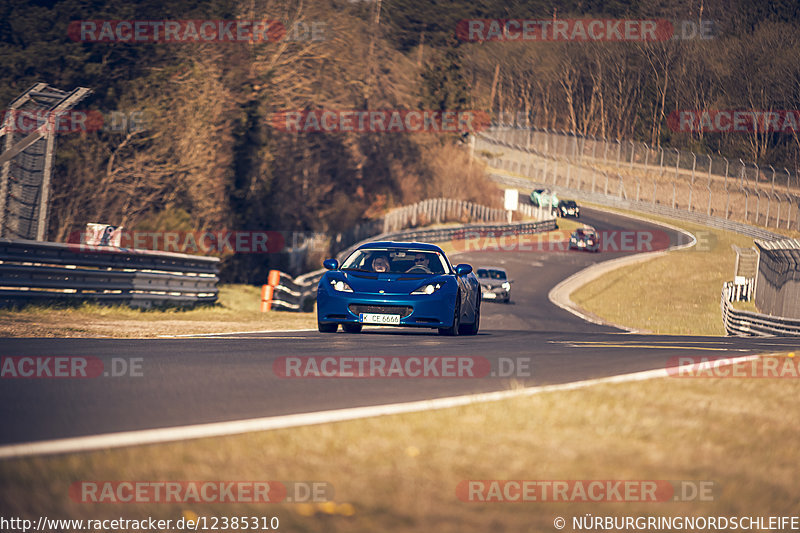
(691, 187)
(769, 202)
(758, 193)
(675, 180)
(789, 198)
(655, 188)
(708, 186)
(555, 171)
(633, 150)
(569, 172)
(727, 192)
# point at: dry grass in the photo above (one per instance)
(676, 294)
(400, 473)
(238, 309)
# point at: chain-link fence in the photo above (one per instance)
(682, 180)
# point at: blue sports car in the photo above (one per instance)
(399, 284)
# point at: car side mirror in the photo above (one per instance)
(463, 269)
(331, 264)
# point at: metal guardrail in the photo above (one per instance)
(424, 213)
(298, 294)
(748, 323)
(778, 277)
(33, 271)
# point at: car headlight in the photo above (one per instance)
(506, 286)
(340, 286)
(430, 288)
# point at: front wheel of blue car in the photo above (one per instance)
(351, 328)
(453, 330)
(327, 328)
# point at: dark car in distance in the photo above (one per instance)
(568, 208)
(584, 239)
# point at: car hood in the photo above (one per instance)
(374, 283)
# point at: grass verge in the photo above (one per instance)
(400, 473)
(238, 309)
(674, 294)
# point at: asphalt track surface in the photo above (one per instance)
(187, 381)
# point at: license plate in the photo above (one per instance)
(489, 295)
(376, 318)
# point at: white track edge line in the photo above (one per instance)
(233, 333)
(235, 427)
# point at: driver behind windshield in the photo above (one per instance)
(420, 264)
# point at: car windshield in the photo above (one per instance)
(397, 261)
(491, 273)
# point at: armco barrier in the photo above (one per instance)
(778, 278)
(298, 294)
(33, 271)
(747, 323)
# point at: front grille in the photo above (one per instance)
(402, 310)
